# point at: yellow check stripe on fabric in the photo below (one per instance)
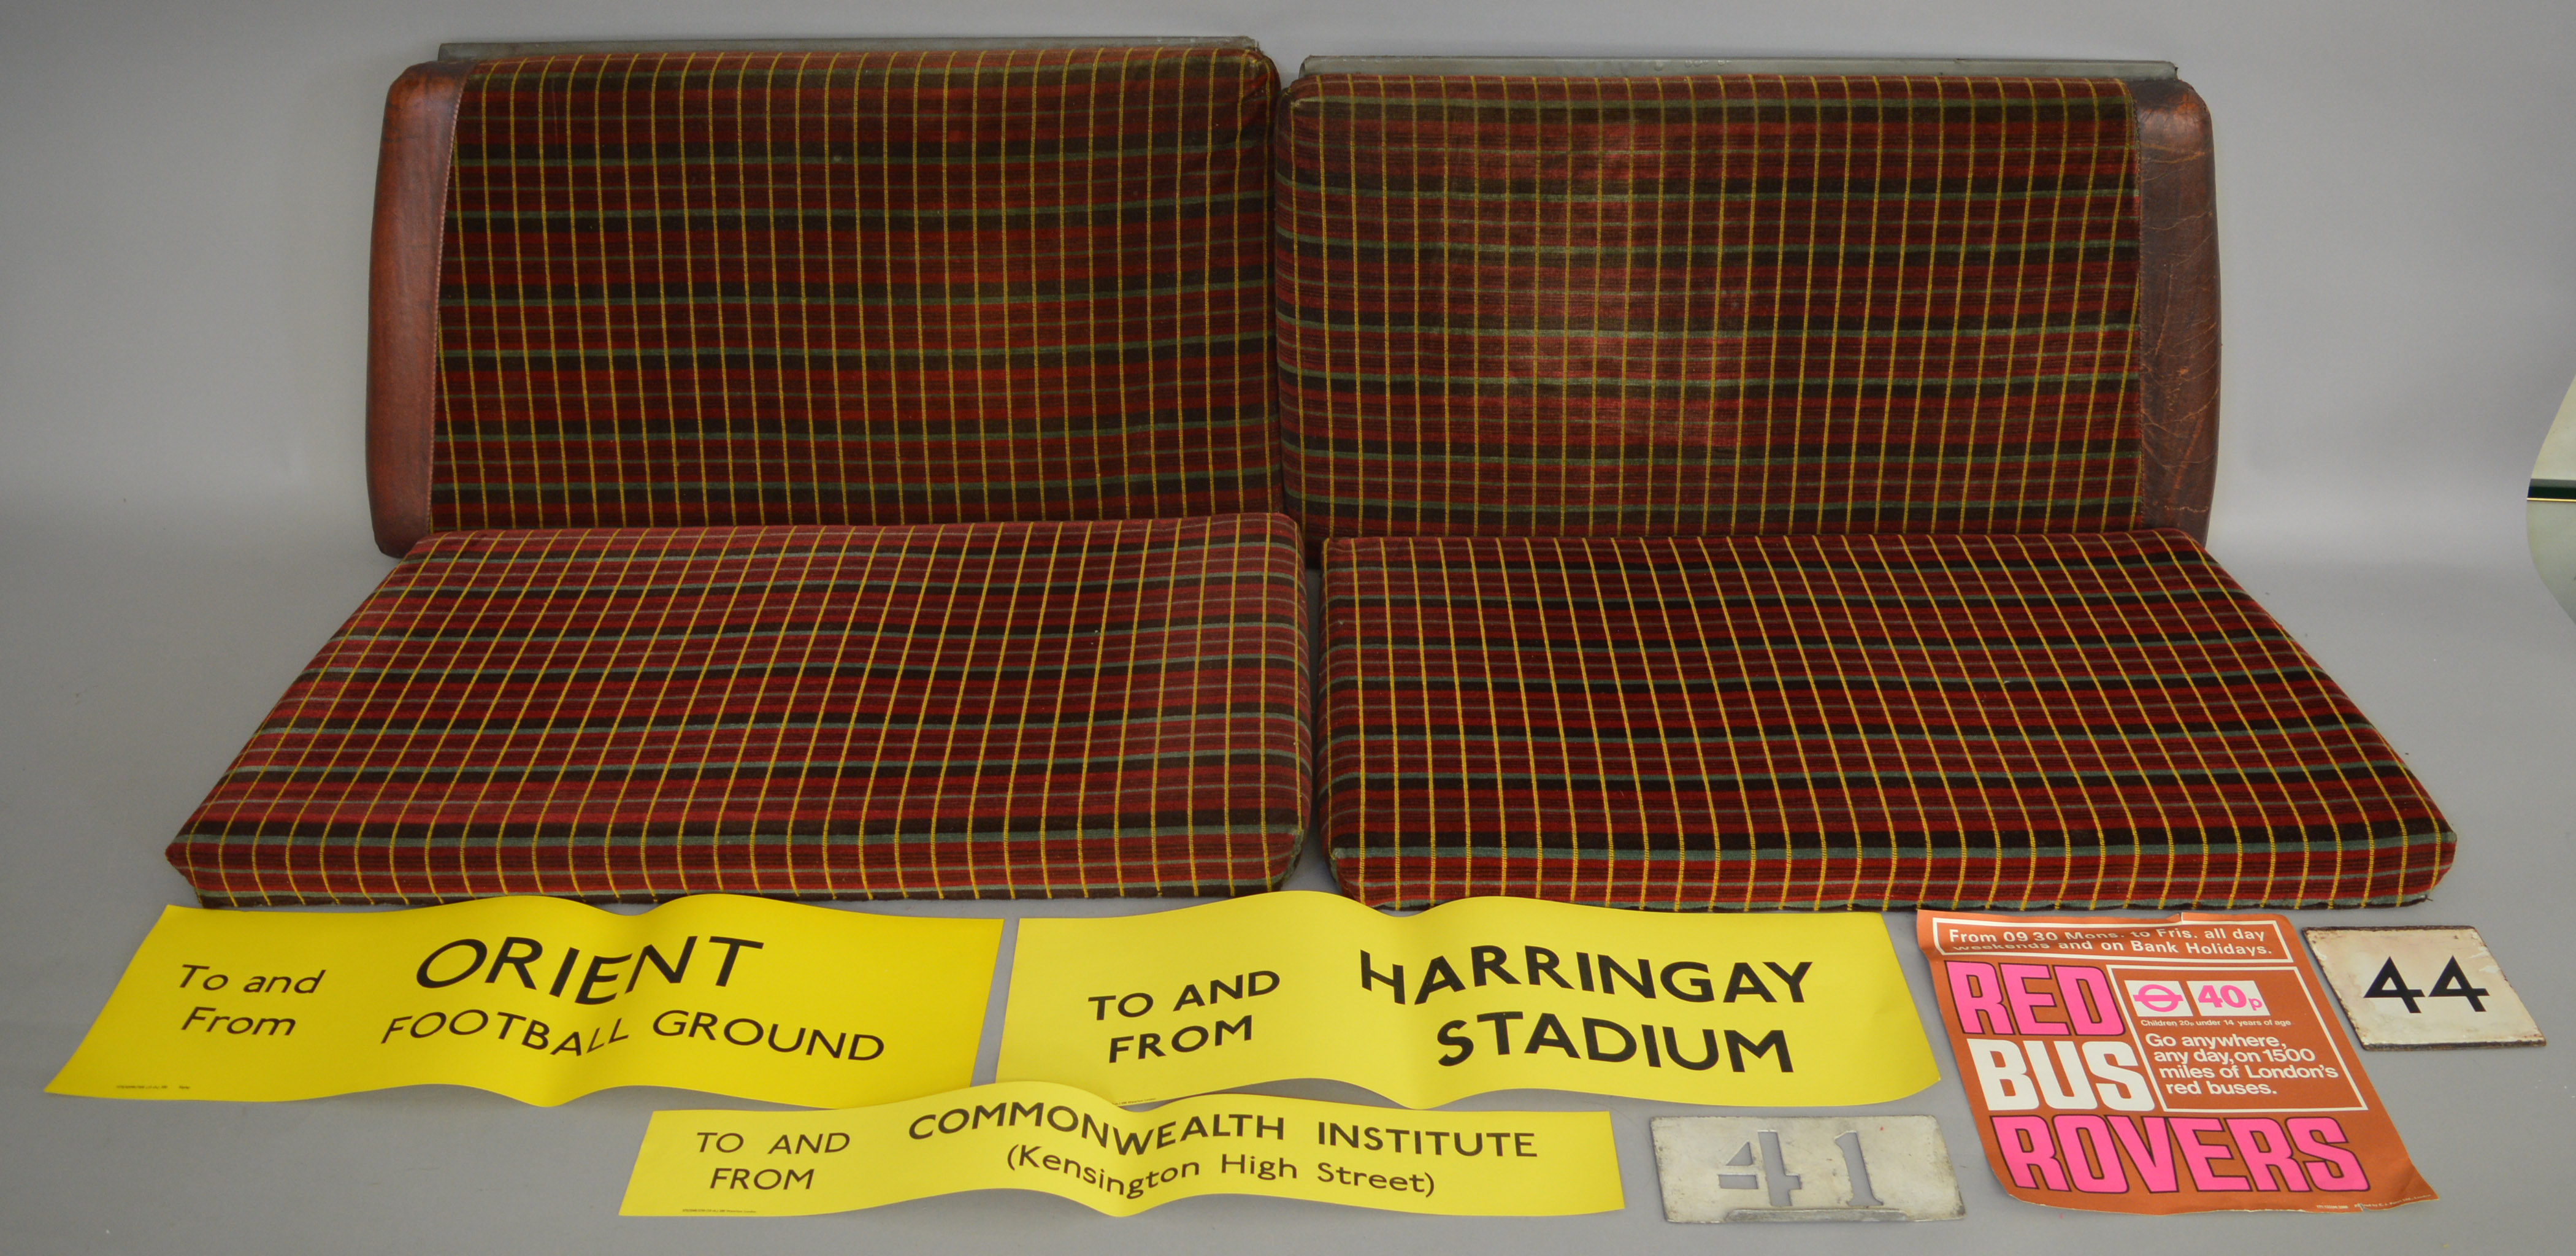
(1068, 1142)
(856, 288)
(1736, 303)
(1080, 708)
(1883, 721)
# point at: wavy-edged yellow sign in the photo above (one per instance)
(545, 1000)
(1477, 995)
(1040, 1136)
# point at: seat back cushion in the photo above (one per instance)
(1749, 303)
(854, 288)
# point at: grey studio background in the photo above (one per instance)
(184, 197)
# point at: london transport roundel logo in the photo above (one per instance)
(2159, 998)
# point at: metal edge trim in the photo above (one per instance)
(468, 51)
(1666, 67)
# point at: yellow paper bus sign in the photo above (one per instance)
(1040, 1136)
(545, 1000)
(1477, 995)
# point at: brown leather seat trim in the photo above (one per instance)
(402, 298)
(2178, 314)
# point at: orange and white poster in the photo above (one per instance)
(2183, 1064)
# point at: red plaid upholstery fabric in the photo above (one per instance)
(856, 288)
(1597, 306)
(1025, 709)
(1872, 721)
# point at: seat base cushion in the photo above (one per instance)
(965, 711)
(1863, 721)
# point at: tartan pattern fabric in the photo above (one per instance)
(1621, 306)
(1021, 709)
(1828, 721)
(686, 289)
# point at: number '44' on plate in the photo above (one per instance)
(2422, 986)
